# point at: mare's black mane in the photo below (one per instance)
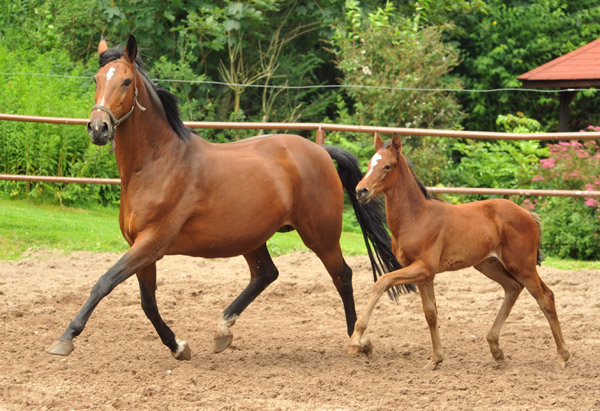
(168, 100)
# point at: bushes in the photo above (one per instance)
(571, 225)
(50, 149)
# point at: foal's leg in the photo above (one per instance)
(412, 274)
(493, 269)
(138, 256)
(147, 280)
(427, 292)
(545, 299)
(262, 273)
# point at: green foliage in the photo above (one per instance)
(571, 225)
(49, 149)
(571, 229)
(385, 51)
(503, 40)
(500, 163)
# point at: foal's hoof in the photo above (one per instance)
(222, 341)
(364, 347)
(60, 347)
(184, 352)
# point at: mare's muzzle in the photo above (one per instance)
(100, 128)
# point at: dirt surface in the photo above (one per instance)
(289, 348)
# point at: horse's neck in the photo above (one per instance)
(404, 201)
(145, 136)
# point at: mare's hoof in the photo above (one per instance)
(60, 347)
(184, 352)
(365, 347)
(222, 341)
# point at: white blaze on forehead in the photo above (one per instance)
(374, 162)
(110, 73)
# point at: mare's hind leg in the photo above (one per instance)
(147, 281)
(493, 269)
(330, 254)
(262, 273)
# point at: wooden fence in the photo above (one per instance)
(320, 130)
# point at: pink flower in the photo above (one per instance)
(537, 177)
(591, 202)
(548, 162)
(527, 204)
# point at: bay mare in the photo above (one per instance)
(183, 195)
(497, 237)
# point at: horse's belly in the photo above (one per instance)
(223, 240)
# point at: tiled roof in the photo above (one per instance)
(580, 67)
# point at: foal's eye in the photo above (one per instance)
(126, 82)
(387, 168)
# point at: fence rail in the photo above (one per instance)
(320, 129)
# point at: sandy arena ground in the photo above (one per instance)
(289, 348)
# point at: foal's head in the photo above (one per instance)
(116, 92)
(383, 167)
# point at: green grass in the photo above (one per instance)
(26, 225)
(33, 226)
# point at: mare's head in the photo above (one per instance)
(383, 168)
(116, 90)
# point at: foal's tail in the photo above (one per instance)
(371, 218)
(538, 221)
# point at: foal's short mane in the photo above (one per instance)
(168, 100)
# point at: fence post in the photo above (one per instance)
(320, 137)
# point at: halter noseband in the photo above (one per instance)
(116, 121)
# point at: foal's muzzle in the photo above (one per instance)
(100, 129)
(363, 195)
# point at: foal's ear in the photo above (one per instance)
(102, 46)
(378, 141)
(131, 49)
(397, 142)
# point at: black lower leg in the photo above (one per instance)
(347, 295)
(263, 272)
(151, 310)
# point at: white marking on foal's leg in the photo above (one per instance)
(373, 163)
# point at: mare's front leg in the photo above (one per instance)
(262, 273)
(138, 256)
(414, 273)
(147, 280)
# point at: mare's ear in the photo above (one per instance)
(378, 141)
(102, 46)
(131, 49)
(397, 143)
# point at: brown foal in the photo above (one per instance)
(497, 237)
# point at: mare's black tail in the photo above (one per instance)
(371, 218)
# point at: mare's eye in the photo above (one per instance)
(126, 82)
(387, 168)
